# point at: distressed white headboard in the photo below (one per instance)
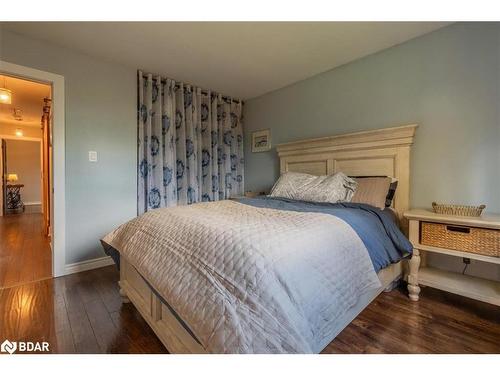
(381, 152)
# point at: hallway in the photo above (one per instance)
(25, 253)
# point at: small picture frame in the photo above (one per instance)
(261, 140)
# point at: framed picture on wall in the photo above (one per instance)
(261, 140)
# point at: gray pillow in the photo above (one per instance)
(372, 191)
(305, 187)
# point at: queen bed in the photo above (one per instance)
(270, 275)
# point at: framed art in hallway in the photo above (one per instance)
(261, 140)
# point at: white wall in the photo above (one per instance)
(23, 158)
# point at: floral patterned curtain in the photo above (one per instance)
(190, 145)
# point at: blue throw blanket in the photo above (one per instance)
(377, 228)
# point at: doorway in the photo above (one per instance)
(26, 164)
(58, 177)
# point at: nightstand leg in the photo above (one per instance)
(413, 288)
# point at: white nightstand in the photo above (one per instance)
(465, 285)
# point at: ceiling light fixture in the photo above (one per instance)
(17, 114)
(19, 133)
(5, 94)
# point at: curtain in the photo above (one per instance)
(190, 145)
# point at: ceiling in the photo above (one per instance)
(242, 59)
(27, 96)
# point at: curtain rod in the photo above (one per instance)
(204, 92)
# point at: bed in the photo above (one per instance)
(251, 294)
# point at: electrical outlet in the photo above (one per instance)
(93, 156)
(466, 260)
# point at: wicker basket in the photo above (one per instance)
(453, 209)
(469, 239)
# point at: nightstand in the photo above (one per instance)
(248, 194)
(452, 240)
(236, 197)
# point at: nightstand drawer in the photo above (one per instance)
(463, 238)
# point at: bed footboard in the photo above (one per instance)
(123, 294)
(177, 339)
(133, 288)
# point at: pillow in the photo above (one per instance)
(302, 186)
(372, 191)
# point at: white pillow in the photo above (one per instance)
(302, 186)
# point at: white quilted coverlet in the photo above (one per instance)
(247, 279)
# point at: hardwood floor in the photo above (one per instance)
(83, 313)
(25, 253)
(79, 313)
(440, 322)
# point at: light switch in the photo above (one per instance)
(93, 156)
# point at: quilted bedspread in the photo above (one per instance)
(249, 279)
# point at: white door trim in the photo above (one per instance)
(58, 211)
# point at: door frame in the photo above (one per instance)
(3, 156)
(58, 205)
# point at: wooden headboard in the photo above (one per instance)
(381, 152)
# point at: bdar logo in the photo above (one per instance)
(9, 347)
(24, 346)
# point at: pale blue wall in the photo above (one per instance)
(100, 116)
(447, 82)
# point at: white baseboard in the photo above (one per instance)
(30, 208)
(88, 265)
(32, 203)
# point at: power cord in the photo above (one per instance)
(465, 268)
(466, 262)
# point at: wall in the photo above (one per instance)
(23, 158)
(447, 81)
(100, 115)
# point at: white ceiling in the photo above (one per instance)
(242, 59)
(28, 97)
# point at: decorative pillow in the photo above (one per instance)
(372, 191)
(302, 186)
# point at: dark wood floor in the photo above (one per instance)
(25, 253)
(79, 313)
(83, 313)
(439, 323)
